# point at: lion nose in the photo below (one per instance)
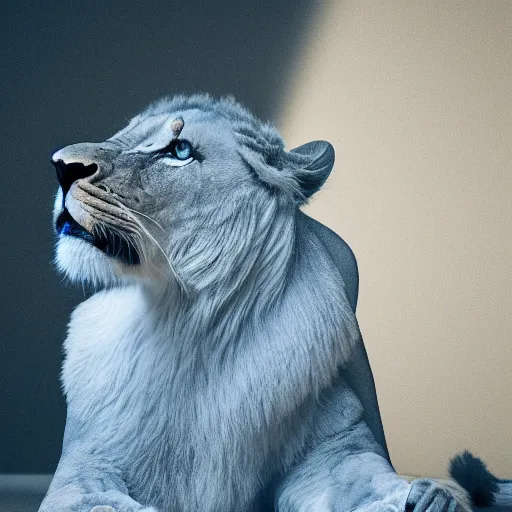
(67, 174)
(71, 166)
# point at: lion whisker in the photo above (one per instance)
(124, 207)
(146, 232)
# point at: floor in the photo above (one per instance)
(20, 502)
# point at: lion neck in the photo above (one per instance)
(238, 281)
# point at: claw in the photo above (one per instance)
(425, 501)
(418, 489)
(441, 503)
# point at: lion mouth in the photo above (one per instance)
(108, 241)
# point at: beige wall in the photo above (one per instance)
(416, 98)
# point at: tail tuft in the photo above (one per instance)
(472, 474)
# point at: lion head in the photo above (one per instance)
(193, 192)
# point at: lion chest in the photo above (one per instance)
(187, 438)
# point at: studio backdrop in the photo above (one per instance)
(416, 98)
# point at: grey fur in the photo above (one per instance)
(216, 375)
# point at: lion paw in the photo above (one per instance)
(103, 508)
(428, 495)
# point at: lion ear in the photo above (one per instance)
(312, 163)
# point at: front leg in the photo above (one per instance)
(346, 470)
(87, 481)
(331, 479)
(72, 498)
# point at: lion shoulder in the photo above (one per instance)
(338, 251)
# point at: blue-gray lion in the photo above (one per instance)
(221, 367)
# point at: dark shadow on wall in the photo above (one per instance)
(73, 72)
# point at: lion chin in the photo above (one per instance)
(81, 262)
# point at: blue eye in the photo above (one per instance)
(182, 149)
